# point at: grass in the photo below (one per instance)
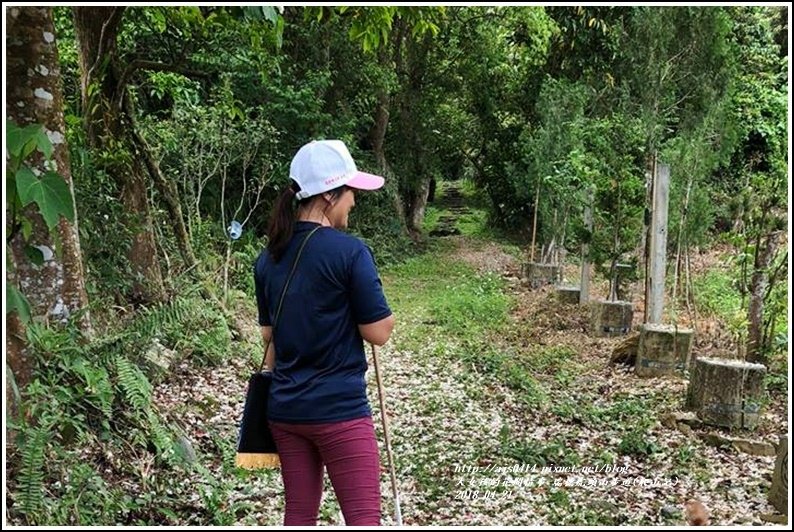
(714, 292)
(476, 304)
(474, 223)
(432, 216)
(556, 452)
(637, 442)
(462, 311)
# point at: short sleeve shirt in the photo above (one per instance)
(319, 375)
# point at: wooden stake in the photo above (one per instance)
(398, 518)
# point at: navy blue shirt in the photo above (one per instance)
(319, 375)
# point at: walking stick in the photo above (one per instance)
(398, 518)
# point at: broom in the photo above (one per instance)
(398, 518)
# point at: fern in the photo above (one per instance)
(98, 388)
(31, 475)
(103, 391)
(161, 437)
(136, 436)
(163, 317)
(136, 387)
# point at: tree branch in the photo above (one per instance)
(114, 18)
(773, 278)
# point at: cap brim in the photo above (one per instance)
(365, 181)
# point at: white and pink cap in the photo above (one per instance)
(323, 165)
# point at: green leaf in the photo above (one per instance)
(159, 20)
(51, 194)
(15, 301)
(27, 228)
(28, 148)
(34, 255)
(20, 140)
(72, 120)
(11, 187)
(43, 143)
(279, 32)
(270, 14)
(24, 178)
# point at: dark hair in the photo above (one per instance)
(282, 218)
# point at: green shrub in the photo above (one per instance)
(637, 442)
(715, 291)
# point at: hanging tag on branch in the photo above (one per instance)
(235, 230)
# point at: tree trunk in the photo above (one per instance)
(417, 186)
(19, 368)
(416, 205)
(758, 285)
(534, 223)
(431, 193)
(377, 133)
(57, 287)
(109, 131)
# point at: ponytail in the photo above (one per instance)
(282, 220)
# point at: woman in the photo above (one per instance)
(318, 408)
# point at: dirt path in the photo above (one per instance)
(465, 442)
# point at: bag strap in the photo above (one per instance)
(284, 293)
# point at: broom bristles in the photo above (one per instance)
(257, 460)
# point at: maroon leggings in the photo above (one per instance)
(350, 452)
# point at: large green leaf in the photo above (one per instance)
(43, 143)
(21, 141)
(23, 179)
(50, 193)
(270, 13)
(279, 32)
(16, 301)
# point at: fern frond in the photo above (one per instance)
(31, 475)
(164, 316)
(136, 387)
(161, 437)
